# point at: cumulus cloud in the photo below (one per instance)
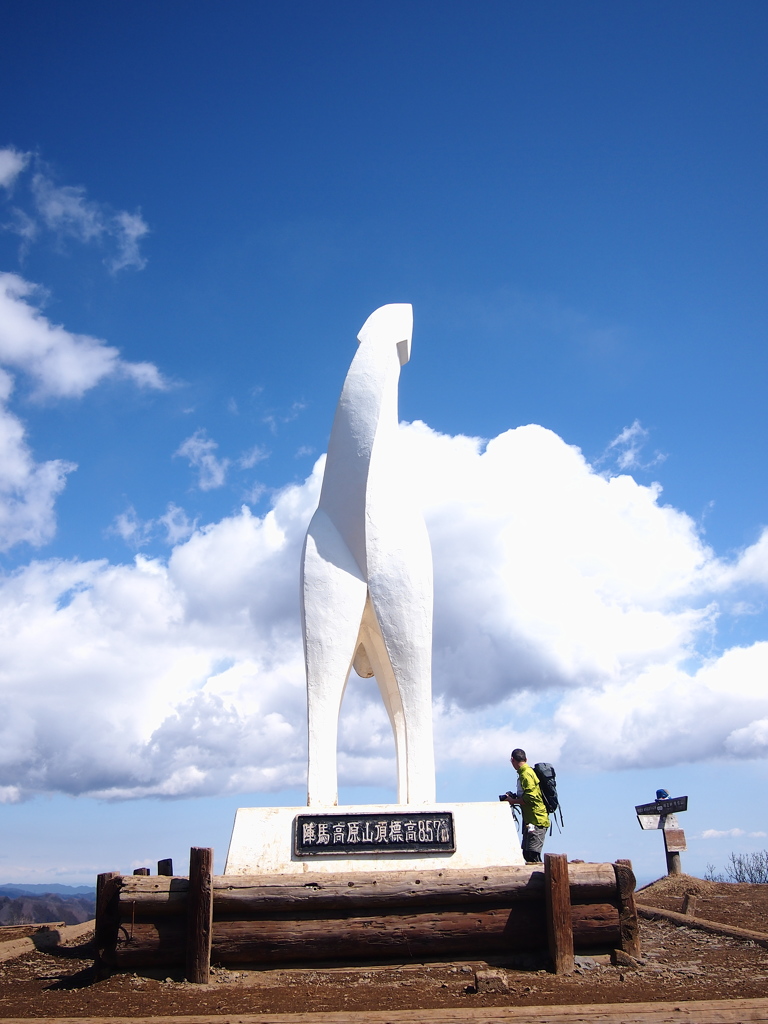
(750, 568)
(570, 606)
(67, 212)
(750, 740)
(176, 693)
(59, 364)
(28, 489)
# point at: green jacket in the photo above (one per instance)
(533, 808)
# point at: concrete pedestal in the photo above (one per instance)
(262, 841)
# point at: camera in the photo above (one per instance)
(506, 796)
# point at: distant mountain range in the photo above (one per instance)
(41, 903)
(11, 889)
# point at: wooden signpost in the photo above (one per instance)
(662, 814)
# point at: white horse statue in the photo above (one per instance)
(366, 572)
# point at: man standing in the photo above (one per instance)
(529, 799)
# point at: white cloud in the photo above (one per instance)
(12, 163)
(252, 457)
(568, 608)
(254, 493)
(62, 364)
(627, 446)
(551, 574)
(65, 209)
(128, 228)
(199, 450)
(750, 740)
(177, 524)
(273, 420)
(28, 490)
(687, 716)
(137, 532)
(750, 568)
(24, 226)
(68, 213)
(730, 833)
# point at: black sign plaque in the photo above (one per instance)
(674, 805)
(345, 835)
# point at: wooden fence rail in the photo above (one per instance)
(171, 920)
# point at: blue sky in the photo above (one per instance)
(573, 199)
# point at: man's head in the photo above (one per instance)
(518, 757)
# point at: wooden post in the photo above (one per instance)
(165, 867)
(674, 866)
(557, 899)
(689, 904)
(200, 915)
(674, 843)
(672, 851)
(103, 922)
(141, 871)
(628, 922)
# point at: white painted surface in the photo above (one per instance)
(262, 841)
(664, 821)
(366, 572)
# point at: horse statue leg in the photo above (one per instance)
(405, 628)
(334, 594)
(380, 667)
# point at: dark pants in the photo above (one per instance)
(533, 843)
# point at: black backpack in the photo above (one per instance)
(546, 775)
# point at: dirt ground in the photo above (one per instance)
(677, 963)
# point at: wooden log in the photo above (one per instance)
(165, 867)
(248, 894)
(144, 944)
(592, 883)
(107, 919)
(595, 926)
(105, 925)
(714, 927)
(306, 937)
(629, 924)
(700, 1011)
(199, 915)
(557, 904)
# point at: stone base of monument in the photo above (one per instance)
(381, 837)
